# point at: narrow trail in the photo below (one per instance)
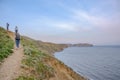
(10, 68)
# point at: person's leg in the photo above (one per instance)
(16, 31)
(7, 28)
(17, 43)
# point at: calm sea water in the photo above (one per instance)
(95, 63)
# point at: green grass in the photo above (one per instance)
(25, 78)
(6, 44)
(35, 62)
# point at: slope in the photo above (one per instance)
(10, 68)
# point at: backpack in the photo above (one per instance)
(17, 36)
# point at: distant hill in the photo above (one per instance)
(47, 47)
(51, 48)
(80, 45)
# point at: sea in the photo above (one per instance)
(94, 63)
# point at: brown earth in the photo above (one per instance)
(62, 72)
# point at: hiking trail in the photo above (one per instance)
(10, 68)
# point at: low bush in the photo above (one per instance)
(6, 44)
(25, 78)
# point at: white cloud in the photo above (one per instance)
(91, 19)
(66, 26)
(53, 23)
(97, 21)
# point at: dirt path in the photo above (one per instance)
(10, 68)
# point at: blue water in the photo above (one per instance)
(95, 63)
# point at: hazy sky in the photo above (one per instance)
(64, 21)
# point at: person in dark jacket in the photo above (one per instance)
(7, 25)
(17, 39)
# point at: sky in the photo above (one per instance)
(64, 21)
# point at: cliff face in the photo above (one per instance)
(38, 64)
(62, 71)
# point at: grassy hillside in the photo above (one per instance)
(39, 65)
(46, 47)
(50, 47)
(6, 44)
(34, 66)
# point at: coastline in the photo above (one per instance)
(60, 67)
(61, 70)
(89, 63)
(69, 68)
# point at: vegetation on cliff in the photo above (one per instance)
(33, 65)
(50, 47)
(6, 44)
(38, 65)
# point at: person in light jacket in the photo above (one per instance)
(16, 29)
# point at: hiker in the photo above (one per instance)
(17, 39)
(16, 29)
(7, 26)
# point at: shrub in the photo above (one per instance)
(25, 78)
(6, 44)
